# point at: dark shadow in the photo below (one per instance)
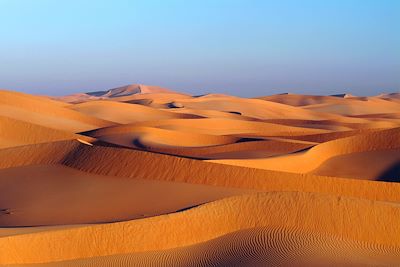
(235, 112)
(175, 105)
(392, 174)
(249, 139)
(144, 102)
(189, 208)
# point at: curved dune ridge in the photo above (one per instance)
(46, 112)
(226, 126)
(145, 176)
(139, 136)
(319, 214)
(348, 105)
(260, 246)
(122, 93)
(311, 159)
(15, 133)
(119, 162)
(124, 113)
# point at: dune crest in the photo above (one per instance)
(145, 176)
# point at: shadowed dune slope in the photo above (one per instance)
(253, 108)
(224, 126)
(311, 159)
(302, 100)
(336, 105)
(356, 107)
(146, 137)
(144, 176)
(241, 150)
(128, 163)
(259, 246)
(123, 112)
(32, 196)
(180, 134)
(381, 165)
(321, 215)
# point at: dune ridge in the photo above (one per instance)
(142, 175)
(258, 246)
(305, 211)
(311, 159)
(118, 162)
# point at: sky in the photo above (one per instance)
(238, 47)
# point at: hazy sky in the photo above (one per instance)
(245, 48)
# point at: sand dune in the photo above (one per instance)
(117, 94)
(383, 165)
(240, 150)
(89, 194)
(229, 126)
(261, 246)
(46, 112)
(302, 100)
(124, 113)
(147, 137)
(145, 176)
(348, 105)
(16, 133)
(311, 159)
(119, 162)
(254, 108)
(318, 214)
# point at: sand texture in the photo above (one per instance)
(145, 176)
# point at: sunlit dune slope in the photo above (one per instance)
(337, 105)
(189, 138)
(259, 246)
(302, 100)
(120, 162)
(123, 93)
(176, 135)
(143, 137)
(311, 159)
(15, 133)
(321, 215)
(145, 176)
(124, 113)
(46, 112)
(227, 126)
(254, 108)
(370, 106)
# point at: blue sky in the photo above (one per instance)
(245, 48)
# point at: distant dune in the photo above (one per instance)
(145, 176)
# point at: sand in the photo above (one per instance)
(145, 176)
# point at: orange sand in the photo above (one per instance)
(142, 175)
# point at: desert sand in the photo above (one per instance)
(146, 176)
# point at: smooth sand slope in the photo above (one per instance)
(46, 112)
(314, 157)
(144, 176)
(323, 216)
(124, 113)
(340, 104)
(91, 198)
(16, 133)
(259, 246)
